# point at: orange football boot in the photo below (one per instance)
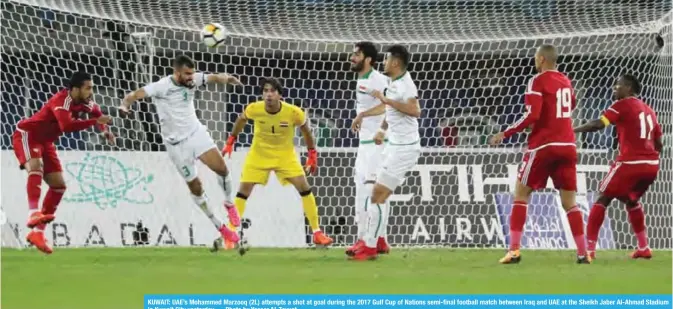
(382, 246)
(37, 218)
(355, 247)
(642, 254)
(36, 238)
(512, 257)
(319, 238)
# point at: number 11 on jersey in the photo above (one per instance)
(646, 127)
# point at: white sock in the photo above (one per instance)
(225, 184)
(374, 223)
(362, 193)
(384, 220)
(202, 202)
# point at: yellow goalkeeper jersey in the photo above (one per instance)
(274, 133)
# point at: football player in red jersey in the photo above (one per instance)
(33, 143)
(550, 100)
(636, 166)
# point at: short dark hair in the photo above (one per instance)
(549, 52)
(183, 61)
(77, 79)
(368, 49)
(273, 82)
(633, 82)
(400, 52)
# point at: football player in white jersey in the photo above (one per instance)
(186, 139)
(370, 116)
(403, 149)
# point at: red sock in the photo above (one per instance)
(50, 203)
(34, 189)
(51, 200)
(516, 223)
(637, 219)
(596, 217)
(577, 228)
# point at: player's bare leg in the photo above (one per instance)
(244, 191)
(201, 200)
(576, 222)
(517, 220)
(637, 220)
(214, 160)
(594, 223)
(310, 209)
(36, 217)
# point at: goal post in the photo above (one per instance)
(471, 62)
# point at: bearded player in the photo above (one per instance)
(33, 143)
(370, 116)
(401, 154)
(273, 150)
(636, 166)
(186, 139)
(550, 100)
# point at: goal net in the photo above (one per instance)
(470, 60)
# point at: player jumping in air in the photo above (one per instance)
(33, 143)
(186, 139)
(550, 100)
(403, 149)
(370, 116)
(273, 150)
(636, 166)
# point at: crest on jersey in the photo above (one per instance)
(284, 124)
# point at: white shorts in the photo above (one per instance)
(185, 153)
(398, 160)
(367, 162)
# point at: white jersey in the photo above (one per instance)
(403, 129)
(369, 82)
(175, 106)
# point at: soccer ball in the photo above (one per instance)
(213, 35)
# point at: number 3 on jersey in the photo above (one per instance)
(646, 125)
(563, 103)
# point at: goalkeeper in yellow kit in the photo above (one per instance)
(273, 150)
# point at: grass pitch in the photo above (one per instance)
(118, 278)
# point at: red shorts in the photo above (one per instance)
(25, 149)
(557, 162)
(628, 182)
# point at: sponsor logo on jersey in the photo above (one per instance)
(284, 124)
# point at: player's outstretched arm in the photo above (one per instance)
(130, 98)
(67, 124)
(102, 127)
(222, 78)
(239, 124)
(593, 126)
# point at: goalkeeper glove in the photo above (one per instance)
(229, 147)
(312, 162)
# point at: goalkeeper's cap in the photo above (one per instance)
(400, 52)
(275, 84)
(77, 79)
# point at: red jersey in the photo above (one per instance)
(637, 129)
(550, 100)
(60, 114)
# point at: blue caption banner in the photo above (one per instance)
(404, 301)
